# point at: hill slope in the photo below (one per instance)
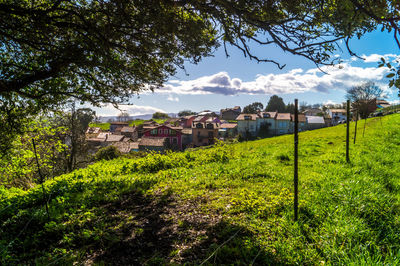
(231, 204)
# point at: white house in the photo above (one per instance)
(314, 122)
(337, 115)
(247, 124)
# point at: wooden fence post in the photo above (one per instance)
(296, 169)
(348, 132)
(355, 128)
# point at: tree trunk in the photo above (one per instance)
(355, 130)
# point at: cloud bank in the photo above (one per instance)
(110, 110)
(295, 81)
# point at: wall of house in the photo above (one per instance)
(204, 136)
(230, 115)
(245, 126)
(165, 132)
(283, 127)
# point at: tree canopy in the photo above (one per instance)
(159, 115)
(275, 103)
(186, 113)
(105, 51)
(253, 108)
(363, 98)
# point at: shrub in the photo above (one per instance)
(107, 153)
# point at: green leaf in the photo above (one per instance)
(390, 75)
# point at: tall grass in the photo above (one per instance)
(349, 213)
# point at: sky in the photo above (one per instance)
(221, 82)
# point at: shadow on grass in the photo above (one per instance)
(166, 230)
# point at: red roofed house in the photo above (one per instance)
(173, 135)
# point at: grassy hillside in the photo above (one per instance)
(231, 204)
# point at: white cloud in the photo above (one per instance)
(330, 102)
(377, 57)
(172, 98)
(110, 110)
(295, 81)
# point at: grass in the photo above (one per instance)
(137, 122)
(231, 204)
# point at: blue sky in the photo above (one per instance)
(218, 82)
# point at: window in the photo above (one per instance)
(160, 131)
(175, 141)
(166, 131)
(210, 134)
(251, 127)
(282, 124)
(172, 132)
(153, 132)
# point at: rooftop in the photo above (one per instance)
(283, 116)
(154, 142)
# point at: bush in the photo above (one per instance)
(107, 153)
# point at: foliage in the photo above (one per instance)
(103, 126)
(186, 113)
(349, 213)
(275, 103)
(105, 51)
(18, 168)
(107, 153)
(123, 117)
(363, 98)
(253, 108)
(159, 115)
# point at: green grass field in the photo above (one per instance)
(106, 126)
(231, 204)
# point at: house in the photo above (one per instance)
(153, 144)
(187, 121)
(172, 135)
(187, 137)
(130, 132)
(115, 138)
(227, 130)
(315, 122)
(231, 113)
(313, 112)
(204, 133)
(247, 124)
(93, 130)
(116, 126)
(207, 112)
(266, 121)
(283, 123)
(382, 104)
(200, 118)
(302, 122)
(127, 146)
(213, 119)
(337, 115)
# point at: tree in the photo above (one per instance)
(123, 117)
(363, 99)
(186, 113)
(290, 108)
(253, 108)
(159, 115)
(104, 51)
(275, 103)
